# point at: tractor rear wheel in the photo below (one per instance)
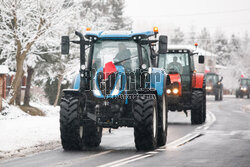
(197, 111)
(146, 121)
(163, 121)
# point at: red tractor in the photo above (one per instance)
(186, 88)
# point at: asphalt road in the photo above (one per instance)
(223, 141)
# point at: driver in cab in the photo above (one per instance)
(175, 66)
(123, 56)
(123, 52)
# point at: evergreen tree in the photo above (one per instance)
(177, 37)
(204, 40)
(118, 21)
(191, 40)
(221, 49)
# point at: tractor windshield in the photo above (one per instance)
(245, 82)
(123, 53)
(212, 79)
(175, 63)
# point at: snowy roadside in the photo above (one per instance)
(21, 134)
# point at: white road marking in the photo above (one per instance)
(121, 160)
(132, 160)
(152, 152)
(173, 145)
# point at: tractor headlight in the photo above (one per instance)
(115, 92)
(97, 92)
(175, 90)
(116, 89)
(168, 91)
(243, 88)
(208, 87)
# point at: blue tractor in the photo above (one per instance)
(117, 86)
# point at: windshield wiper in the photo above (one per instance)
(124, 60)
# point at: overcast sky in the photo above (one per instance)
(229, 16)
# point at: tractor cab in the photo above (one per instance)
(178, 62)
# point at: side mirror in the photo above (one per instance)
(65, 45)
(154, 58)
(163, 44)
(201, 59)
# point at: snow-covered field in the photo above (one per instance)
(21, 133)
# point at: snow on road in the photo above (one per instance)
(21, 133)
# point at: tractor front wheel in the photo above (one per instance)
(75, 136)
(91, 135)
(163, 122)
(146, 121)
(198, 104)
(69, 124)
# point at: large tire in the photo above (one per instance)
(145, 129)
(73, 135)
(197, 111)
(69, 124)
(204, 117)
(204, 102)
(163, 121)
(221, 95)
(216, 97)
(91, 135)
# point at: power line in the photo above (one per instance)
(201, 13)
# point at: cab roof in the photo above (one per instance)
(118, 35)
(191, 48)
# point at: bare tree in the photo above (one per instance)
(24, 23)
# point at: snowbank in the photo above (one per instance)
(10, 112)
(20, 132)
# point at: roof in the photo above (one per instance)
(188, 47)
(4, 69)
(118, 34)
(192, 49)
